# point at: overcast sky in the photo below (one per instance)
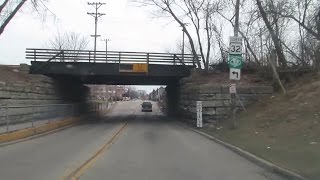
(128, 26)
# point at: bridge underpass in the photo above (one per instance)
(115, 68)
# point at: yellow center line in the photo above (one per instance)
(86, 165)
(80, 170)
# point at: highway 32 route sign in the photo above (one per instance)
(235, 45)
(235, 58)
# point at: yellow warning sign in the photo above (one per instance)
(140, 68)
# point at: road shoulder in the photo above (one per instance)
(251, 157)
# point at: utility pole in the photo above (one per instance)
(232, 65)
(106, 41)
(96, 15)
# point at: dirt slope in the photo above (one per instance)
(282, 129)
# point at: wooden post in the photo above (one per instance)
(174, 59)
(89, 57)
(233, 95)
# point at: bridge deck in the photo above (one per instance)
(111, 67)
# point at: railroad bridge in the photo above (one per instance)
(111, 67)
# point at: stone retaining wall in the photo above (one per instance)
(216, 99)
(38, 90)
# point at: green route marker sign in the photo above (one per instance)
(235, 61)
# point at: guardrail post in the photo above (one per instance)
(89, 56)
(148, 58)
(34, 55)
(106, 56)
(193, 63)
(62, 52)
(7, 118)
(174, 59)
(119, 61)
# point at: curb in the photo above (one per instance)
(259, 161)
(34, 132)
(28, 132)
(37, 135)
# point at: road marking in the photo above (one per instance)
(86, 165)
(76, 174)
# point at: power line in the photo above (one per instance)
(96, 15)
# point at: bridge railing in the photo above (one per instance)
(124, 57)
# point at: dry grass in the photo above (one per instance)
(222, 78)
(11, 74)
(282, 129)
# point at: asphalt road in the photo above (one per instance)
(127, 144)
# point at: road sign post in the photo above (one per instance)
(199, 114)
(235, 64)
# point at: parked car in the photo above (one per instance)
(146, 106)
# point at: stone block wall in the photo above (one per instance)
(216, 99)
(35, 96)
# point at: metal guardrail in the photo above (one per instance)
(124, 57)
(13, 118)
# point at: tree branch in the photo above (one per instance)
(3, 5)
(16, 9)
(309, 30)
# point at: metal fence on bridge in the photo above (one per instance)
(53, 55)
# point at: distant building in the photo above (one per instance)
(102, 92)
(158, 94)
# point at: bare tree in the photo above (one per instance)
(66, 42)
(9, 8)
(7, 18)
(315, 30)
(199, 13)
(274, 34)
